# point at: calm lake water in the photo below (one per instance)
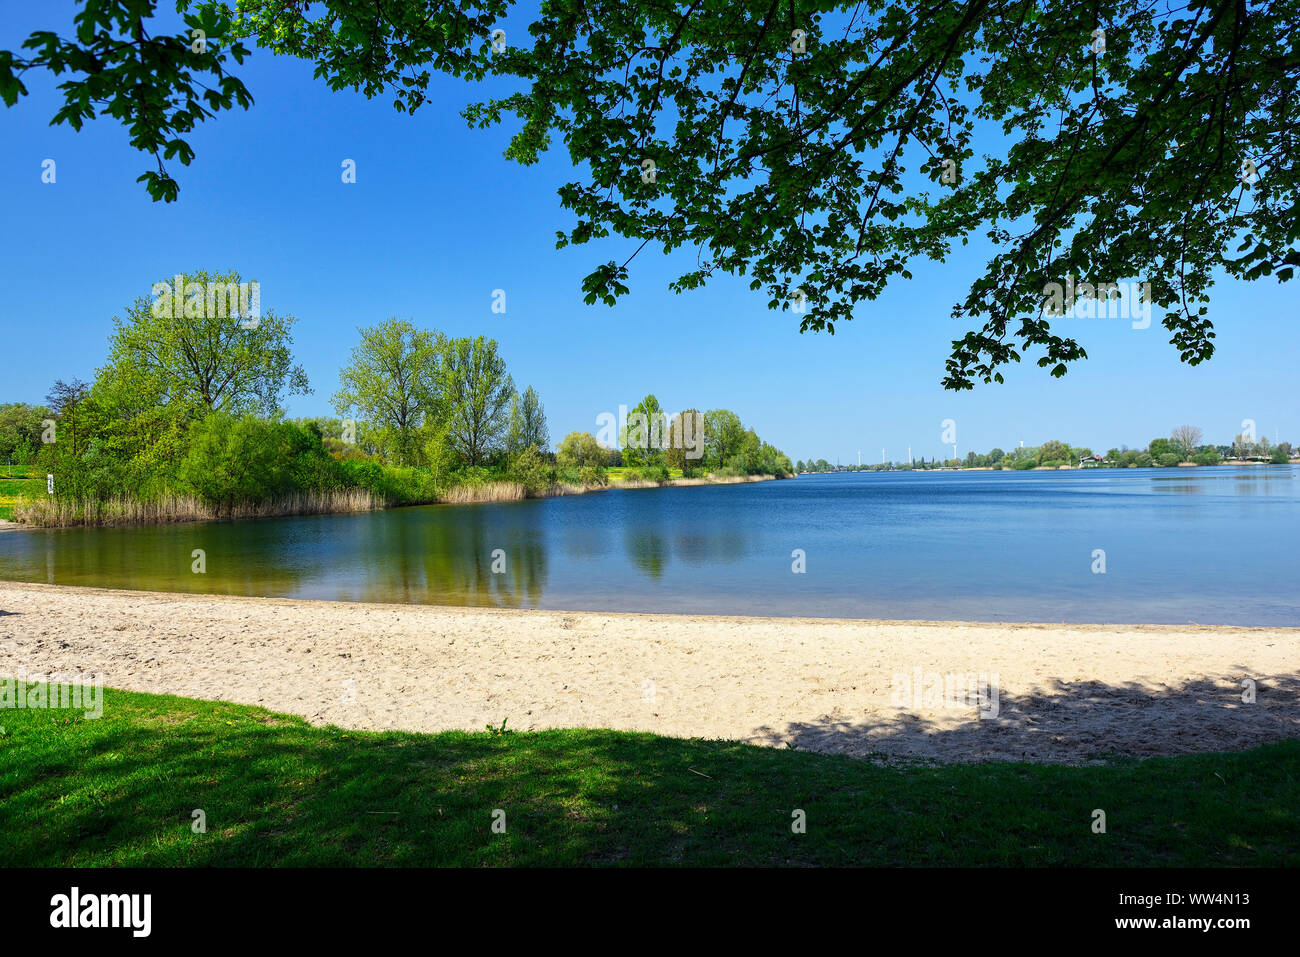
(1207, 545)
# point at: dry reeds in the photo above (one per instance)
(569, 488)
(484, 492)
(58, 512)
(52, 512)
(712, 479)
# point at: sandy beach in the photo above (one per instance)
(1046, 692)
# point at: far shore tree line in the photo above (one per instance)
(1184, 446)
(191, 410)
(652, 445)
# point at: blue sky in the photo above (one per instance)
(438, 219)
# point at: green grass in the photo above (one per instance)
(618, 473)
(120, 791)
(11, 488)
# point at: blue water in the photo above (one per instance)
(1206, 545)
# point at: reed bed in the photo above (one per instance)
(58, 512)
(636, 483)
(484, 492)
(571, 488)
(727, 480)
(710, 480)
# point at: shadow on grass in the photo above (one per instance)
(272, 790)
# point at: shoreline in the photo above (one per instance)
(1052, 468)
(1069, 694)
(558, 490)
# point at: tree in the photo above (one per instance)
(439, 452)
(772, 461)
(392, 383)
(1187, 438)
(476, 390)
(685, 446)
(645, 436)
(1023, 457)
(723, 435)
(995, 456)
(21, 426)
(1159, 447)
(210, 359)
(142, 75)
(527, 423)
(1053, 451)
(580, 450)
(784, 160)
(748, 457)
(64, 399)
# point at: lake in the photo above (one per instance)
(1206, 545)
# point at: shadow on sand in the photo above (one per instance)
(1066, 722)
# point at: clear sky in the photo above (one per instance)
(438, 219)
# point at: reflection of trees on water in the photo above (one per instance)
(1265, 479)
(648, 550)
(454, 551)
(238, 558)
(725, 546)
(584, 544)
(1186, 486)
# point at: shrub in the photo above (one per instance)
(1167, 459)
(365, 474)
(531, 470)
(592, 475)
(22, 457)
(235, 461)
(473, 475)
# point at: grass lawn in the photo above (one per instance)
(120, 790)
(10, 488)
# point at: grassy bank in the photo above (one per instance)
(121, 790)
(13, 490)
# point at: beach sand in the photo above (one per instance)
(1065, 693)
